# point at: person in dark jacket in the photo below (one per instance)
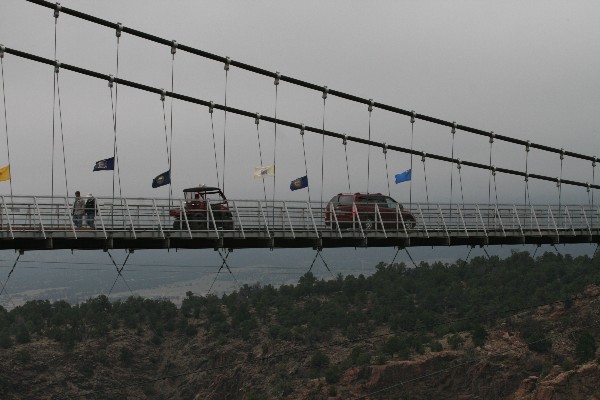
(91, 211)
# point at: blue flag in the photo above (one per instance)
(105, 165)
(404, 176)
(299, 183)
(162, 179)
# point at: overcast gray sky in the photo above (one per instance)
(527, 69)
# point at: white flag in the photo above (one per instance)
(263, 172)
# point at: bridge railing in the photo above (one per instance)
(43, 216)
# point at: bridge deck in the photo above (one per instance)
(37, 223)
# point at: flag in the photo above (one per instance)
(105, 165)
(263, 172)
(299, 183)
(404, 176)
(162, 179)
(5, 173)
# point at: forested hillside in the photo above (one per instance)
(489, 328)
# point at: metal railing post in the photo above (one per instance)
(423, 219)
(239, 219)
(287, 213)
(12, 235)
(130, 219)
(37, 209)
(160, 227)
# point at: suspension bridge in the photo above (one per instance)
(46, 222)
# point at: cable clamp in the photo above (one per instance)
(277, 77)
(371, 105)
(492, 136)
(302, 129)
(527, 146)
(325, 91)
(345, 140)
(211, 107)
(594, 162)
(2, 49)
(412, 117)
(453, 128)
(227, 63)
(173, 47)
(163, 94)
(111, 80)
(562, 154)
(257, 118)
(423, 156)
(57, 10)
(493, 169)
(458, 163)
(526, 177)
(56, 66)
(119, 29)
(384, 148)
(558, 182)
(588, 186)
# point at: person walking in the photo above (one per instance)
(78, 210)
(90, 211)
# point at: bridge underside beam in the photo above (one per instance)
(268, 243)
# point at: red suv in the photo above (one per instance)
(370, 209)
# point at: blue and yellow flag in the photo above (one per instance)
(5, 173)
(162, 179)
(299, 183)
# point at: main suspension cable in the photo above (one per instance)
(298, 82)
(284, 122)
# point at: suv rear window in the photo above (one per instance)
(344, 200)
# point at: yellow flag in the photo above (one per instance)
(5, 173)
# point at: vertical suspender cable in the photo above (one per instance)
(325, 91)
(276, 83)
(226, 67)
(490, 174)
(345, 142)
(559, 183)
(369, 147)
(462, 194)
(173, 51)
(305, 163)
(387, 173)
(412, 134)
(56, 13)
(423, 156)
(256, 121)
(116, 103)
(212, 126)
(452, 168)
(527, 174)
(593, 183)
(62, 134)
(6, 120)
(162, 99)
